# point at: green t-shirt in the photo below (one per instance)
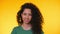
(20, 30)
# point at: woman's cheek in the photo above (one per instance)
(23, 17)
(30, 17)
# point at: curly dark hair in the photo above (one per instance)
(36, 20)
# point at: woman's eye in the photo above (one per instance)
(24, 13)
(29, 14)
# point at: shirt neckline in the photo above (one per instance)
(25, 30)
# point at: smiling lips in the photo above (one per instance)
(27, 20)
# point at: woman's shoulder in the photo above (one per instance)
(42, 32)
(16, 28)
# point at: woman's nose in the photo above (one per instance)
(27, 16)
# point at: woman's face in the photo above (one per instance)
(26, 15)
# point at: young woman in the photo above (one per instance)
(29, 19)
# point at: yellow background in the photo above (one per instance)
(50, 10)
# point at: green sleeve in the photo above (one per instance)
(42, 32)
(14, 31)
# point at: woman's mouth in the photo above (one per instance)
(26, 20)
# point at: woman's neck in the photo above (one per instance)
(26, 26)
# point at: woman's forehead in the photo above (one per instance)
(27, 10)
